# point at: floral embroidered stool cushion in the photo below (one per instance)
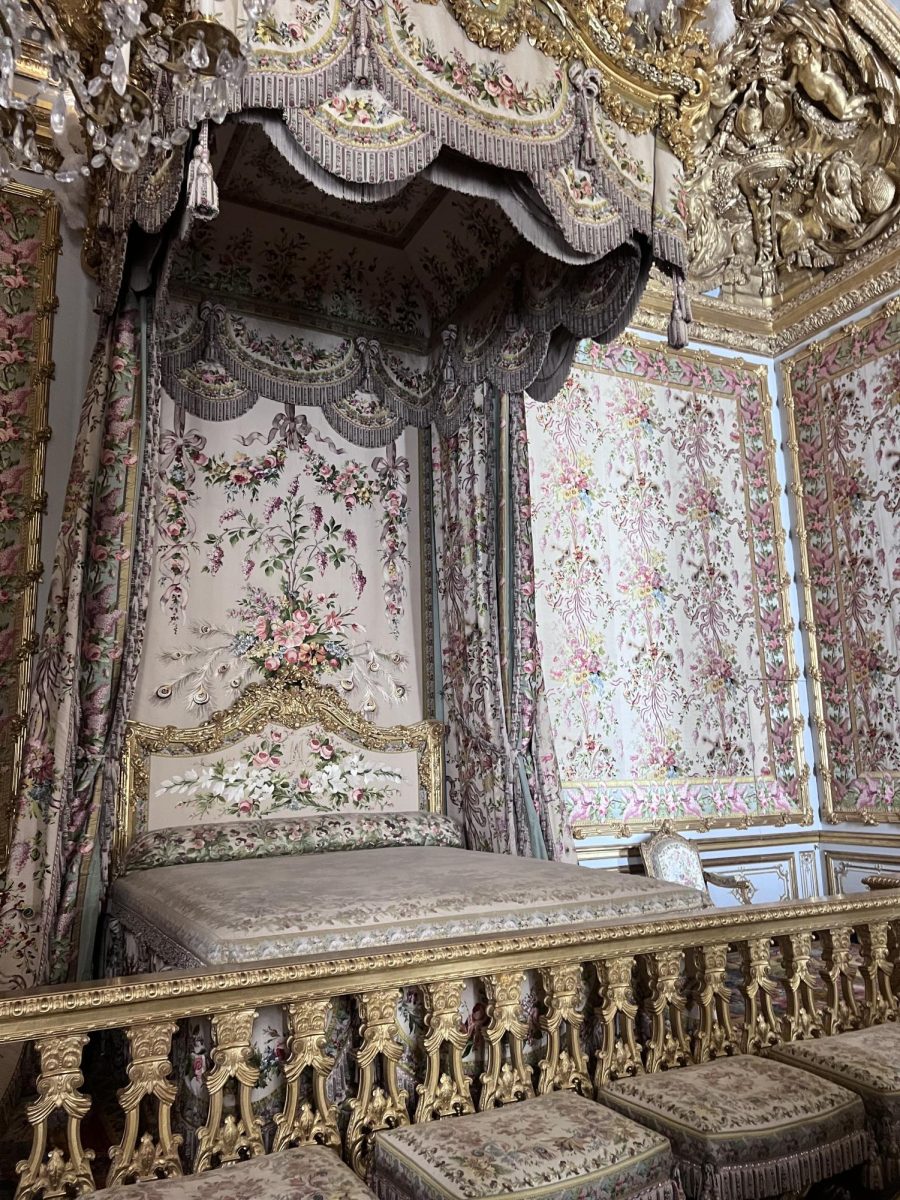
(558, 1147)
(746, 1128)
(867, 1062)
(308, 1173)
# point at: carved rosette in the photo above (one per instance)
(506, 1079)
(303, 1122)
(149, 1068)
(228, 1139)
(380, 1102)
(444, 1093)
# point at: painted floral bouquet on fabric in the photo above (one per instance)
(257, 784)
(294, 635)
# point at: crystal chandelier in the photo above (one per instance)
(155, 81)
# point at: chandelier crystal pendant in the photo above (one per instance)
(153, 84)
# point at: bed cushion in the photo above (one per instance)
(308, 1173)
(867, 1061)
(747, 1126)
(225, 912)
(224, 841)
(558, 1147)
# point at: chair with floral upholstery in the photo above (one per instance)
(748, 1127)
(307, 1173)
(867, 1061)
(669, 856)
(559, 1146)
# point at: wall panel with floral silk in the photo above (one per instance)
(282, 549)
(29, 245)
(661, 593)
(842, 400)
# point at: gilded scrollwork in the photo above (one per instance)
(565, 1066)
(505, 1080)
(668, 1043)
(839, 971)
(302, 1122)
(618, 1056)
(380, 1102)
(63, 1170)
(796, 159)
(228, 1138)
(149, 1071)
(801, 1021)
(707, 968)
(444, 1093)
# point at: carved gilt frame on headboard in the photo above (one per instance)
(292, 706)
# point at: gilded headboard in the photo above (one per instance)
(281, 750)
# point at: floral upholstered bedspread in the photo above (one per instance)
(210, 912)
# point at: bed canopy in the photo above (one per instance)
(465, 157)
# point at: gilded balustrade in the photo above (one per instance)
(615, 1000)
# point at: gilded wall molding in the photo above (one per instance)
(793, 207)
(27, 305)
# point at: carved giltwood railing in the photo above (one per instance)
(616, 1000)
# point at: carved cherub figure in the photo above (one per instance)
(821, 85)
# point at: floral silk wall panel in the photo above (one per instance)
(29, 245)
(281, 549)
(661, 593)
(842, 398)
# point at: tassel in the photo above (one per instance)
(681, 313)
(202, 193)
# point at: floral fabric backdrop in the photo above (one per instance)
(661, 604)
(281, 548)
(29, 243)
(846, 423)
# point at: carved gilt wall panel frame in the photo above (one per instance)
(28, 255)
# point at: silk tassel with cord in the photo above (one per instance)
(681, 312)
(202, 193)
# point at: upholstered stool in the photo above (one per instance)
(867, 1061)
(558, 1147)
(745, 1128)
(308, 1173)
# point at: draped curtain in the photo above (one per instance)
(502, 781)
(76, 702)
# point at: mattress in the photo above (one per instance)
(207, 913)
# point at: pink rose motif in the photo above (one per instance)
(339, 104)
(358, 795)
(276, 736)
(291, 656)
(272, 663)
(326, 752)
(303, 783)
(492, 87)
(261, 758)
(245, 807)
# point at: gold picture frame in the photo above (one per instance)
(293, 705)
(39, 209)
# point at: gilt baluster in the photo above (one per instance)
(505, 1082)
(618, 1055)
(877, 969)
(839, 972)
(668, 1043)
(303, 1122)
(149, 1070)
(376, 1105)
(761, 1026)
(564, 1067)
(54, 1175)
(444, 1093)
(227, 1139)
(714, 1036)
(801, 1020)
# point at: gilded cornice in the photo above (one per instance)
(794, 205)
